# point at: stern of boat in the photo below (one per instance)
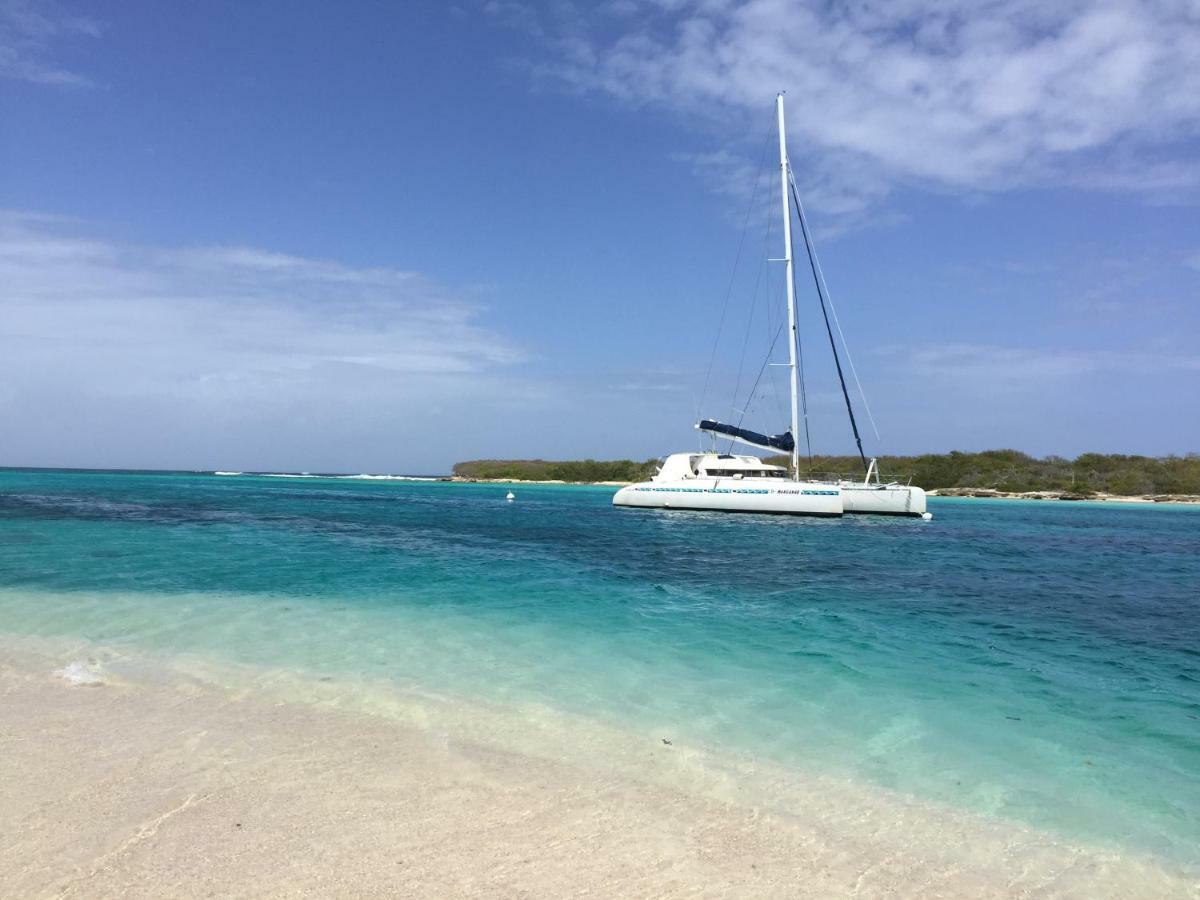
(884, 499)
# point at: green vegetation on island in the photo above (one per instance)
(1002, 470)
(1012, 470)
(550, 470)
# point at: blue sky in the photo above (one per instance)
(386, 237)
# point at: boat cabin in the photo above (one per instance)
(716, 465)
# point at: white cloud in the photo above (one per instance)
(27, 29)
(295, 312)
(949, 94)
(197, 352)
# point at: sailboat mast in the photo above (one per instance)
(791, 288)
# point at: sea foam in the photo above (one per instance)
(87, 673)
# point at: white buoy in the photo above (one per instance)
(510, 497)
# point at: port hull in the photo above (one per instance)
(771, 496)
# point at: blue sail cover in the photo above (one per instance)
(781, 442)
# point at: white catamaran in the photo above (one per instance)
(724, 482)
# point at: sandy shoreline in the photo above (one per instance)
(164, 784)
(457, 479)
(993, 494)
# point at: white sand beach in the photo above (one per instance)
(156, 783)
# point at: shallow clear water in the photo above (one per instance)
(1036, 661)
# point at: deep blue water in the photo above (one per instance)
(1033, 660)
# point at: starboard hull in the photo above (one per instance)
(883, 500)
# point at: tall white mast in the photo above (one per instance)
(791, 288)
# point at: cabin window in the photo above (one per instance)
(745, 473)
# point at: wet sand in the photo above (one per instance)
(174, 785)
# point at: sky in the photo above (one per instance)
(387, 237)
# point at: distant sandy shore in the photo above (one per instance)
(992, 494)
(461, 480)
(158, 785)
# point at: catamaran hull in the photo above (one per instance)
(786, 499)
(883, 500)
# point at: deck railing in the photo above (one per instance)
(855, 476)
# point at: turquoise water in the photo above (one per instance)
(1034, 661)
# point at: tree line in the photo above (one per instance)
(557, 470)
(1012, 470)
(1004, 470)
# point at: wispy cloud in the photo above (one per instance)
(1041, 399)
(252, 308)
(28, 30)
(516, 14)
(960, 95)
(258, 343)
(1001, 366)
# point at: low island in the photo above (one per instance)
(989, 473)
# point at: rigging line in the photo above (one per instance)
(771, 325)
(775, 391)
(837, 322)
(803, 387)
(737, 384)
(762, 266)
(832, 343)
(741, 364)
(733, 274)
(769, 318)
(762, 369)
